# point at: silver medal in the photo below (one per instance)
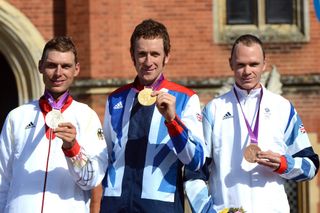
(54, 118)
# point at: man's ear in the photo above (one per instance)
(40, 66)
(133, 60)
(77, 69)
(264, 65)
(230, 63)
(166, 59)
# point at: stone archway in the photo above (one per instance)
(21, 44)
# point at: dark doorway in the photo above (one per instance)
(8, 89)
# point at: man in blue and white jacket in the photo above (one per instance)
(250, 115)
(150, 142)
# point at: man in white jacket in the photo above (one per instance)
(52, 150)
(256, 141)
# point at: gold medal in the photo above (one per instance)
(54, 118)
(250, 153)
(145, 98)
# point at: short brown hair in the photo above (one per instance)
(150, 29)
(61, 44)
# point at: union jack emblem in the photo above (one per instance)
(302, 129)
(199, 117)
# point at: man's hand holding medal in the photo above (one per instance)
(63, 130)
(253, 154)
(67, 133)
(269, 159)
(165, 102)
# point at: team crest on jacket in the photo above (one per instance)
(100, 134)
(199, 117)
(302, 129)
(267, 113)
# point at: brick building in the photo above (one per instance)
(201, 33)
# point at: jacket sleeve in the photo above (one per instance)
(195, 182)
(87, 159)
(187, 136)
(302, 163)
(6, 147)
(195, 185)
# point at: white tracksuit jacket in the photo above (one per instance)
(23, 157)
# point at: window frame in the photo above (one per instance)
(271, 33)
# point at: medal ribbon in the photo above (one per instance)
(157, 83)
(253, 134)
(56, 105)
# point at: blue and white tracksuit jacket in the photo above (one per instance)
(146, 154)
(233, 182)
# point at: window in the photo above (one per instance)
(272, 20)
(241, 12)
(279, 12)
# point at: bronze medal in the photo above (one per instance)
(250, 153)
(54, 118)
(145, 98)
